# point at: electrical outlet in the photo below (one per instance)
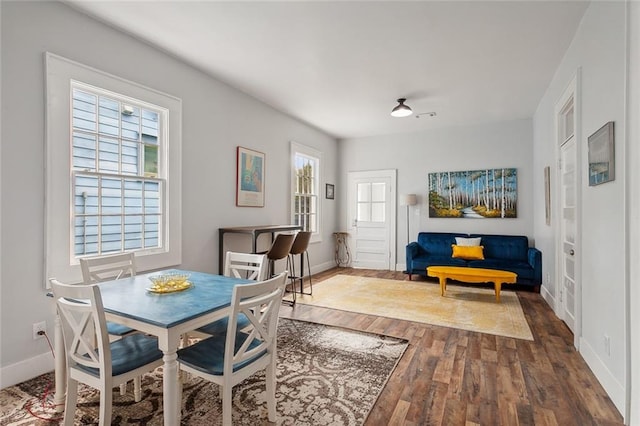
(38, 327)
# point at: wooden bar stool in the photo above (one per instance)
(300, 246)
(279, 250)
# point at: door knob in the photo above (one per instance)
(571, 252)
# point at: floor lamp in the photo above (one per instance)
(409, 200)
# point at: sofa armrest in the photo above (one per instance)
(535, 260)
(413, 250)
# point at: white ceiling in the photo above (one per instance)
(340, 66)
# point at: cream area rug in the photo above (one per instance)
(325, 376)
(465, 307)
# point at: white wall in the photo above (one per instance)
(217, 118)
(599, 50)
(415, 155)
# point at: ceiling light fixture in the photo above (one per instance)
(401, 110)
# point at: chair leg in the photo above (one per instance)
(123, 389)
(106, 407)
(137, 388)
(271, 390)
(70, 404)
(309, 270)
(227, 406)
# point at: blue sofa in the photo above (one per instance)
(506, 252)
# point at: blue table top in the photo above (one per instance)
(128, 297)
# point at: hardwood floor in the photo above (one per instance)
(456, 377)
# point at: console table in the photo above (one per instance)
(254, 232)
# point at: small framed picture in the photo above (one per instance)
(249, 178)
(330, 191)
(601, 155)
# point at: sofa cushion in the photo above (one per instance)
(438, 243)
(509, 247)
(467, 252)
(522, 269)
(421, 263)
(461, 241)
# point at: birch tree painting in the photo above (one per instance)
(477, 194)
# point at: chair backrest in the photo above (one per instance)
(280, 247)
(301, 243)
(84, 328)
(260, 303)
(245, 265)
(98, 269)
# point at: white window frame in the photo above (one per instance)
(297, 148)
(60, 259)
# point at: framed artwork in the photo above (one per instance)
(250, 178)
(474, 194)
(601, 155)
(330, 191)
(547, 195)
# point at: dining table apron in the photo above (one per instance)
(129, 301)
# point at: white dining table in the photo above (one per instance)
(127, 301)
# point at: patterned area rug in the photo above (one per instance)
(466, 307)
(326, 376)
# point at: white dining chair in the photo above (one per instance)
(231, 357)
(113, 267)
(238, 265)
(91, 358)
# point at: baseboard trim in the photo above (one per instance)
(548, 297)
(613, 388)
(25, 370)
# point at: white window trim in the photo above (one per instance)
(316, 237)
(59, 259)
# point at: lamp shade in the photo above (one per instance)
(410, 199)
(401, 110)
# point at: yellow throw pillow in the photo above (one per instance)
(468, 252)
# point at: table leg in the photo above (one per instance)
(443, 285)
(60, 366)
(170, 391)
(497, 286)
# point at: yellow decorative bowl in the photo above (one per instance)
(169, 283)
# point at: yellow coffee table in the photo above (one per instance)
(472, 275)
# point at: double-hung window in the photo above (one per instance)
(305, 178)
(117, 182)
(113, 170)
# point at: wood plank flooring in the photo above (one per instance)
(456, 377)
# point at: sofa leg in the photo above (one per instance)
(537, 288)
(409, 277)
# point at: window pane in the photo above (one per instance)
(129, 157)
(149, 126)
(109, 155)
(86, 194)
(111, 196)
(131, 124)
(364, 212)
(111, 234)
(151, 160)
(378, 191)
(364, 192)
(108, 117)
(84, 110)
(151, 198)
(84, 151)
(132, 197)
(133, 232)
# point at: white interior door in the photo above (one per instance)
(371, 218)
(568, 300)
(568, 231)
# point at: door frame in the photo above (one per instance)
(572, 91)
(391, 174)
